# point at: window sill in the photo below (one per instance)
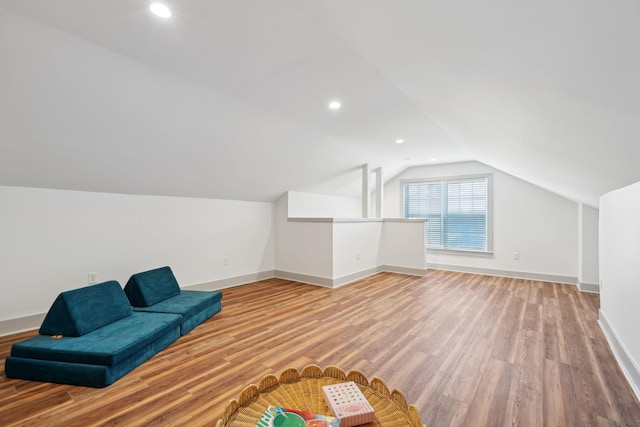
(463, 252)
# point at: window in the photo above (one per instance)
(457, 210)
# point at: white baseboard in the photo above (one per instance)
(629, 368)
(403, 270)
(304, 278)
(230, 282)
(325, 281)
(21, 324)
(589, 287)
(340, 281)
(12, 326)
(506, 273)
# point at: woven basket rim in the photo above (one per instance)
(291, 375)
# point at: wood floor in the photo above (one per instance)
(467, 350)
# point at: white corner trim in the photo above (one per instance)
(406, 220)
(629, 368)
(349, 220)
(333, 220)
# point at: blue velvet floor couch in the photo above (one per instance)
(157, 291)
(92, 336)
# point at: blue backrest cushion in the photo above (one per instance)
(80, 311)
(150, 287)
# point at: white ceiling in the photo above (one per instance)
(229, 99)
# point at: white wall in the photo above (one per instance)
(309, 205)
(51, 239)
(403, 245)
(301, 248)
(330, 252)
(588, 269)
(540, 225)
(620, 276)
(127, 127)
(367, 246)
(356, 247)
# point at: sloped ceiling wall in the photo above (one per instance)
(547, 91)
(228, 99)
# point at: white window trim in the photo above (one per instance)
(489, 177)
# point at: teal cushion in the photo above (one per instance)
(151, 287)
(194, 306)
(186, 303)
(108, 345)
(80, 311)
(84, 374)
(196, 319)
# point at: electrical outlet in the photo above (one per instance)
(357, 255)
(225, 260)
(92, 277)
(516, 255)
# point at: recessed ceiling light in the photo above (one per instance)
(399, 141)
(160, 10)
(335, 105)
(433, 159)
(407, 158)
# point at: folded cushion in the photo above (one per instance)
(194, 306)
(186, 303)
(83, 374)
(80, 311)
(108, 345)
(151, 287)
(193, 321)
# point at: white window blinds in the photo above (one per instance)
(457, 210)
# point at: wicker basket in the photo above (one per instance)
(303, 391)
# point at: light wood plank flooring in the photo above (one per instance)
(467, 350)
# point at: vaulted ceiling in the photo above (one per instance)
(230, 99)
